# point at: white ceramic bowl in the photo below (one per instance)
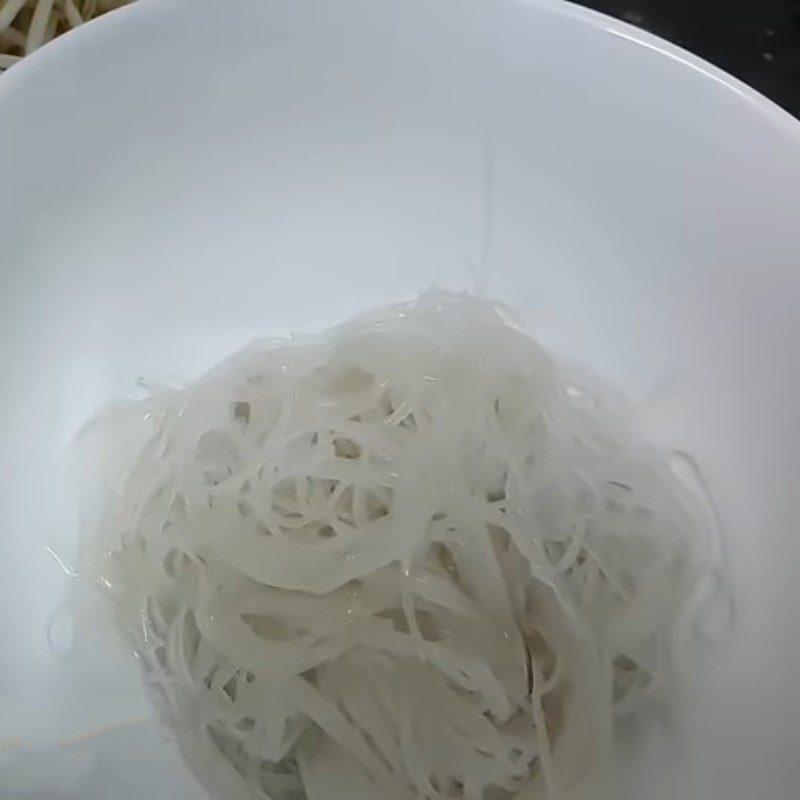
(183, 175)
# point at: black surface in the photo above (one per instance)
(758, 41)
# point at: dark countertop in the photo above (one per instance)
(758, 41)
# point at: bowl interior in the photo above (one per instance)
(175, 183)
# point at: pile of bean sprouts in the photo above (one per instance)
(26, 25)
(405, 558)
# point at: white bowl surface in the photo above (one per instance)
(180, 177)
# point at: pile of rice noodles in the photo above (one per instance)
(406, 558)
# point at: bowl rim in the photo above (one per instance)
(637, 37)
(626, 34)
